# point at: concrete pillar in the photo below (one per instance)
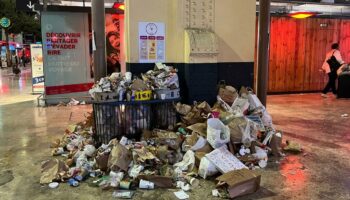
(98, 27)
(45, 5)
(263, 50)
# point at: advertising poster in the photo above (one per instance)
(151, 42)
(37, 68)
(66, 54)
(3, 56)
(114, 44)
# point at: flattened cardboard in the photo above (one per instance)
(224, 160)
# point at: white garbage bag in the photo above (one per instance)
(217, 133)
(254, 101)
(206, 168)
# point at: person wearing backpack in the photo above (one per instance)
(330, 66)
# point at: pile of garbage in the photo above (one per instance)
(227, 141)
(162, 77)
(160, 83)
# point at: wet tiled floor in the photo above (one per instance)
(322, 171)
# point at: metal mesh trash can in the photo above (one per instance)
(344, 85)
(115, 119)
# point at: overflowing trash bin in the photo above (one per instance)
(162, 143)
(343, 73)
(115, 119)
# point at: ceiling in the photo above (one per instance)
(278, 7)
(79, 3)
(323, 7)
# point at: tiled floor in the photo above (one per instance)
(321, 172)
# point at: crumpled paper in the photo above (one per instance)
(188, 162)
(292, 146)
(143, 154)
(198, 114)
(183, 109)
(168, 138)
(53, 170)
(120, 157)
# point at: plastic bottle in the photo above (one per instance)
(182, 131)
(133, 96)
(82, 175)
(73, 182)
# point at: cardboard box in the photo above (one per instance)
(240, 182)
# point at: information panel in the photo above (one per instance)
(37, 68)
(151, 42)
(66, 54)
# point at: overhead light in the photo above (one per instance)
(301, 15)
(119, 6)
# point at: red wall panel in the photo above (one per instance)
(298, 48)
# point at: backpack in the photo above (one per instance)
(333, 63)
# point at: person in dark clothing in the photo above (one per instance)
(23, 58)
(332, 75)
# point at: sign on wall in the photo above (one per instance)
(66, 54)
(37, 68)
(151, 42)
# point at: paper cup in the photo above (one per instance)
(146, 185)
(128, 76)
(53, 185)
(192, 181)
(124, 185)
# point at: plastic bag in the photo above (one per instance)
(249, 132)
(254, 101)
(217, 133)
(235, 110)
(267, 119)
(241, 103)
(206, 168)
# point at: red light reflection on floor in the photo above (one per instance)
(294, 172)
(4, 89)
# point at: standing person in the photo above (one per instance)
(331, 71)
(23, 58)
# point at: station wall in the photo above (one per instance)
(234, 26)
